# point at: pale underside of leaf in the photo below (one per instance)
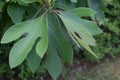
(73, 24)
(81, 42)
(70, 25)
(82, 11)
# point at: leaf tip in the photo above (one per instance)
(11, 66)
(4, 40)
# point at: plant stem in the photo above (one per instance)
(37, 13)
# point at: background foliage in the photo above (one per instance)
(108, 42)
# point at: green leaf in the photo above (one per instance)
(20, 2)
(64, 4)
(28, 1)
(82, 3)
(84, 45)
(32, 30)
(91, 27)
(97, 5)
(2, 4)
(57, 40)
(33, 60)
(82, 11)
(15, 12)
(7, 0)
(73, 24)
(53, 63)
(75, 1)
(49, 1)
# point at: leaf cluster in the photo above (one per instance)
(44, 31)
